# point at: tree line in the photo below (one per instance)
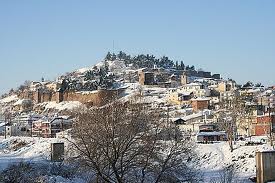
(149, 61)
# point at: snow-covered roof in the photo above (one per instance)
(266, 151)
(200, 99)
(253, 90)
(40, 121)
(267, 114)
(185, 93)
(87, 92)
(61, 120)
(211, 133)
(193, 84)
(192, 116)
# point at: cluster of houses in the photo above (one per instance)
(35, 125)
(202, 92)
(257, 119)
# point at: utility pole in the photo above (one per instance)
(5, 125)
(113, 46)
(7, 122)
(249, 123)
(271, 122)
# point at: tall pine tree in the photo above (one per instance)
(182, 66)
(108, 56)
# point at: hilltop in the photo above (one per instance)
(114, 73)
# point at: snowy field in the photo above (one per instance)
(215, 157)
(24, 149)
(212, 157)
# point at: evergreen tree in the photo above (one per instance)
(95, 68)
(163, 61)
(177, 65)
(108, 56)
(182, 66)
(11, 91)
(113, 57)
(106, 67)
(258, 85)
(121, 55)
(89, 75)
(248, 84)
(64, 85)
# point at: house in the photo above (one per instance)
(146, 78)
(180, 121)
(189, 76)
(264, 124)
(209, 133)
(265, 100)
(200, 104)
(2, 128)
(210, 137)
(19, 130)
(158, 76)
(22, 125)
(180, 98)
(250, 91)
(208, 128)
(48, 128)
(8, 130)
(190, 123)
(246, 123)
(198, 89)
(37, 127)
(227, 95)
(226, 86)
(59, 124)
(174, 81)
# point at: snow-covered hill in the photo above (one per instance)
(116, 66)
(36, 151)
(31, 149)
(215, 157)
(9, 99)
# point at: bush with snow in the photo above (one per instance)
(25, 172)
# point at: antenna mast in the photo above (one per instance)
(113, 46)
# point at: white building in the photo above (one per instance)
(198, 89)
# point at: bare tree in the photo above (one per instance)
(231, 112)
(128, 142)
(227, 123)
(226, 175)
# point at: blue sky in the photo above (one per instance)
(48, 38)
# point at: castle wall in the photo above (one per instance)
(97, 98)
(93, 98)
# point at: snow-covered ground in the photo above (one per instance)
(31, 150)
(26, 149)
(212, 157)
(68, 105)
(8, 99)
(62, 106)
(215, 157)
